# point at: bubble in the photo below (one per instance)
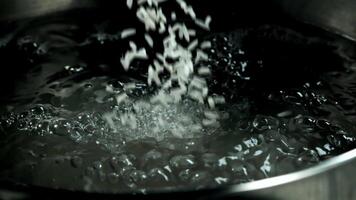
(152, 155)
(113, 178)
(183, 162)
(88, 85)
(126, 160)
(184, 145)
(323, 124)
(237, 167)
(263, 123)
(135, 178)
(245, 126)
(201, 178)
(308, 157)
(306, 124)
(98, 165)
(27, 43)
(75, 68)
(153, 159)
(90, 171)
(123, 171)
(193, 145)
(271, 136)
(76, 161)
(210, 160)
(60, 127)
(158, 176)
(38, 111)
(76, 136)
(185, 175)
(335, 140)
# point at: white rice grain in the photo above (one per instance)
(201, 56)
(129, 86)
(205, 92)
(162, 28)
(191, 12)
(192, 32)
(198, 83)
(211, 102)
(158, 67)
(153, 77)
(145, 18)
(160, 1)
(141, 54)
(209, 122)
(196, 95)
(193, 45)
(185, 33)
(133, 46)
(204, 71)
(160, 57)
(167, 84)
(129, 3)
(202, 24)
(205, 45)
(173, 16)
(211, 115)
(140, 2)
(161, 17)
(126, 60)
(128, 33)
(183, 5)
(219, 100)
(208, 21)
(149, 40)
(131, 55)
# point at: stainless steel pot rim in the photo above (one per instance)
(323, 167)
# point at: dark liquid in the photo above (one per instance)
(290, 104)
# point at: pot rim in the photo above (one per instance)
(320, 168)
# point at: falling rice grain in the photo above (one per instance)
(204, 71)
(128, 33)
(129, 3)
(149, 40)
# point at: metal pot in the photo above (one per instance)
(332, 179)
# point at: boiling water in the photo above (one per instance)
(290, 104)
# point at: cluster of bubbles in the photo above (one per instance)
(244, 148)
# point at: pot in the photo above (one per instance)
(331, 179)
